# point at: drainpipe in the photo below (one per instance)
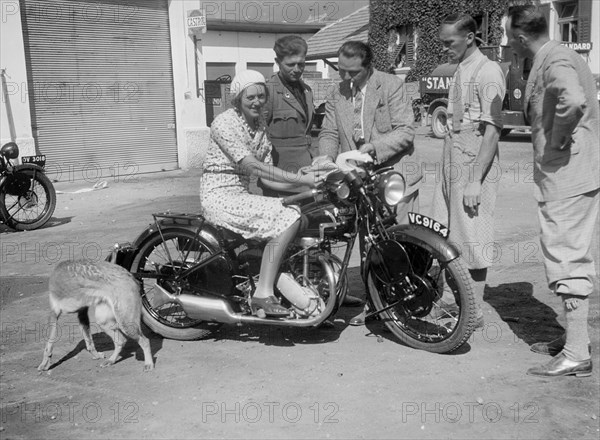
(9, 113)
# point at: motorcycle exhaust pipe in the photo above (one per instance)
(198, 307)
(219, 310)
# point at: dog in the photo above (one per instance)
(112, 291)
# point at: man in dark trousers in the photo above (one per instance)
(370, 112)
(560, 103)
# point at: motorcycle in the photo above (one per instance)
(196, 276)
(27, 196)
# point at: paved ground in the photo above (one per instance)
(344, 382)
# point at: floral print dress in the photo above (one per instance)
(225, 198)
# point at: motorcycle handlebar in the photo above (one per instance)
(289, 200)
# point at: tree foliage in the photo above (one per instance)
(426, 16)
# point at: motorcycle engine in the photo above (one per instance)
(305, 300)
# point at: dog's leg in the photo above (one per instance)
(106, 321)
(84, 323)
(133, 330)
(145, 344)
(53, 324)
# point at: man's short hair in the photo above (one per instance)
(351, 49)
(529, 19)
(463, 22)
(290, 45)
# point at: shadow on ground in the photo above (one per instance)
(529, 319)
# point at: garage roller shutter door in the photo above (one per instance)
(100, 86)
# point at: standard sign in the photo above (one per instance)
(436, 83)
(579, 47)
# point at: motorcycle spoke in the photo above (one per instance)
(166, 262)
(23, 212)
(438, 323)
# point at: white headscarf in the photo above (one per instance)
(244, 79)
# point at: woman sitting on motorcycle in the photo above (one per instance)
(238, 150)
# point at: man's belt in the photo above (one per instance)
(298, 141)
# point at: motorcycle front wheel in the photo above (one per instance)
(160, 260)
(27, 200)
(430, 308)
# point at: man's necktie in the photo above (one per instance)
(357, 133)
(458, 107)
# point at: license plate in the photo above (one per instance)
(39, 160)
(423, 220)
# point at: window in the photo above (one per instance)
(401, 46)
(483, 28)
(310, 71)
(217, 70)
(265, 68)
(310, 67)
(568, 15)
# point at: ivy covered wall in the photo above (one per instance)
(426, 16)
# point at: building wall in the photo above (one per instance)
(593, 57)
(189, 66)
(189, 71)
(15, 118)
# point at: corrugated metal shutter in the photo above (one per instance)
(100, 86)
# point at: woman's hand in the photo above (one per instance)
(310, 178)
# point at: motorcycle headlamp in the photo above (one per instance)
(391, 188)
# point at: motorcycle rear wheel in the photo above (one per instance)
(435, 325)
(160, 260)
(25, 209)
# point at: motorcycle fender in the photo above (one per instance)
(418, 235)
(123, 254)
(208, 232)
(426, 238)
(28, 166)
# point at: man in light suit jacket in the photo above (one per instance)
(560, 103)
(386, 127)
(370, 112)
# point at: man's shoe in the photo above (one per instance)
(561, 366)
(359, 319)
(480, 322)
(550, 348)
(352, 301)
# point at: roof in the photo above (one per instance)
(326, 42)
(216, 24)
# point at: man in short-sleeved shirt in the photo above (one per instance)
(465, 195)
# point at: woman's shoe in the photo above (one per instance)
(269, 305)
